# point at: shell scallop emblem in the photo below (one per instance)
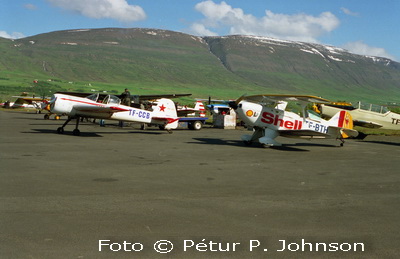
(249, 113)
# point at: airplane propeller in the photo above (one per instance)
(234, 104)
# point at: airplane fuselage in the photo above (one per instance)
(387, 120)
(83, 107)
(267, 117)
(275, 119)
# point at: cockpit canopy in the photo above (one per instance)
(93, 97)
(373, 108)
(107, 99)
(111, 99)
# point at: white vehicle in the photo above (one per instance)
(163, 110)
(267, 116)
(366, 115)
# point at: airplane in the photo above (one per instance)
(216, 106)
(267, 116)
(365, 115)
(136, 100)
(108, 107)
(184, 111)
(37, 103)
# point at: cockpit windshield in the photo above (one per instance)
(111, 99)
(93, 97)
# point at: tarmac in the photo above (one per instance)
(123, 193)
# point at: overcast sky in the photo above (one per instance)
(368, 27)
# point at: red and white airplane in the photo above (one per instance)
(184, 111)
(163, 111)
(267, 116)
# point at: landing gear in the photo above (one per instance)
(247, 143)
(76, 131)
(266, 137)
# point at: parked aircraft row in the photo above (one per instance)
(265, 115)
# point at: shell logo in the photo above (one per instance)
(249, 113)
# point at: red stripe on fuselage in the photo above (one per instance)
(78, 101)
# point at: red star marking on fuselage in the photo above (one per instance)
(162, 108)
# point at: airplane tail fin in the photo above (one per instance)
(200, 107)
(343, 121)
(165, 110)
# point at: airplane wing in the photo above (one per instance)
(29, 100)
(367, 124)
(99, 109)
(301, 134)
(159, 96)
(83, 95)
(314, 134)
(141, 97)
(282, 97)
(183, 113)
(209, 100)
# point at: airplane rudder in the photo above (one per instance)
(200, 107)
(166, 107)
(345, 120)
(342, 119)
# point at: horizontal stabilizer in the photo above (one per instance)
(367, 124)
(167, 120)
(282, 97)
(301, 134)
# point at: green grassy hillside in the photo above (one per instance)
(158, 61)
(295, 67)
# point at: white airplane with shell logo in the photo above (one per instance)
(267, 116)
(163, 110)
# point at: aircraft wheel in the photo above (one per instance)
(46, 116)
(60, 130)
(76, 132)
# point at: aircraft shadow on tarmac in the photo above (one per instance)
(91, 133)
(238, 143)
(383, 143)
(67, 133)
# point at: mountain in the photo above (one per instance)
(303, 67)
(149, 60)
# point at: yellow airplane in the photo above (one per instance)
(365, 115)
